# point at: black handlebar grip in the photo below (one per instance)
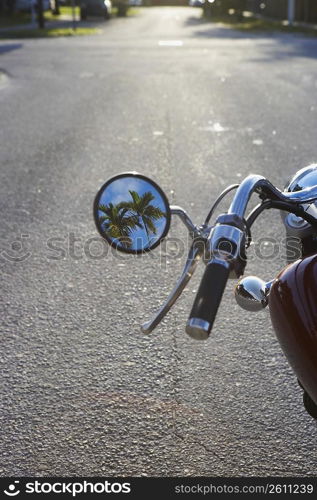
(208, 299)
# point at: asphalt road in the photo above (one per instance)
(84, 392)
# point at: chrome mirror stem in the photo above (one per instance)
(186, 220)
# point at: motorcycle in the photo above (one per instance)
(133, 215)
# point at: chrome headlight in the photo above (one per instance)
(304, 178)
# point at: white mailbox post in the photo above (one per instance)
(291, 11)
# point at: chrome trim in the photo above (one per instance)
(307, 195)
(304, 178)
(189, 269)
(198, 328)
(229, 234)
(297, 226)
(243, 194)
(311, 209)
(294, 222)
(268, 286)
(253, 182)
(233, 238)
(252, 293)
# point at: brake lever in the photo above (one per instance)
(194, 255)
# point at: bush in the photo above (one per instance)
(220, 8)
(122, 7)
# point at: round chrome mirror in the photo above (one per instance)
(132, 213)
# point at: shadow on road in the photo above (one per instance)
(281, 46)
(7, 47)
(287, 48)
(195, 20)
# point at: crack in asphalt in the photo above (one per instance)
(198, 443)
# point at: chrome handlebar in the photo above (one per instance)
(226, 241)
(266, 189)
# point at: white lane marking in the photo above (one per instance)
(214, 127)
(258, 142)
(170, 43)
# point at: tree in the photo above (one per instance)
(118, 223)
(221, 7)
(145, 212)
(10, 7)
(40, 14)
(122, 6)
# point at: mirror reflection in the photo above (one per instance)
(132, 213)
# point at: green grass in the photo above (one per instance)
(25, 17)
(69, 10)
(65, 10)
(253, 24)
(20, 18)
(48, 32)
(132, 11)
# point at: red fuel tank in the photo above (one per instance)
(293, 309)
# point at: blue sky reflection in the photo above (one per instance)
(118, 191)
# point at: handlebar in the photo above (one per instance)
(267, 191)
(208, 299)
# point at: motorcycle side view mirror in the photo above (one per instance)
(132, 213)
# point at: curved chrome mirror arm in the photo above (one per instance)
(186, 220)
(194, 255)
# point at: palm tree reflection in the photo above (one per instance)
(120, 221)
(117, 223)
